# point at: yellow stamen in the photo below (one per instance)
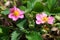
(45, 19)
(16, 13)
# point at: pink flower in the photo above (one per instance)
(16, 13)
(43, 18)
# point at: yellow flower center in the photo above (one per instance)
(16, 13)
(45, 19)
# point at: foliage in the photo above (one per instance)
(26, 28)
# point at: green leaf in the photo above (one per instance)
(51, 3)
(20, 23)
(4, 31)
(34, 36)
(38, 7)
(30, 5)
(1, 31)
(15, 35)
(22, 7)
(57, 24)
(5, 12)
(57, 17)
(4, 38)
(56, 10)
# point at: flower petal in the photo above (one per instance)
(38, 17)
(50, 20)
(20, 11)
(38, 22)
(43, 14)
(21, 16)
(10, 15)
(14, 18)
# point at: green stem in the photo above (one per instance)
(14, 3)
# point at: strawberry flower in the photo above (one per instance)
(43, 18)
(16, 13)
